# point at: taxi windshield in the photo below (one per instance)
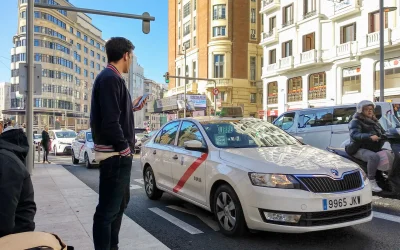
(89, 137)
(66, 134)
(246, 133)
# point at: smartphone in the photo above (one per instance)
(144, 97)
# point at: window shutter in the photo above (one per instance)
(355, 32)
(284, 15)
(341, 35)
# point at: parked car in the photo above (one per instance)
(61, 140)
(83, 149)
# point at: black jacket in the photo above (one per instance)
(45, 139)
(111, 115)
(17, 206)
(361, 130)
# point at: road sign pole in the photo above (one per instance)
(29, 89)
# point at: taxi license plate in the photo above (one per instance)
(341, 203)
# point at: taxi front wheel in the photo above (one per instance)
(228, 211)
(150, 185)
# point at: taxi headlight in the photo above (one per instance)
(364, 175)
(274, 180)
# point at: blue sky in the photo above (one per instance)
(151, 49)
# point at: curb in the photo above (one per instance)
(385, 205)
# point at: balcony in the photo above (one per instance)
(269, 5)
(220, 83)
(372, 40)
(345, 8)
(270, 69)
(309, 14)
(346, 49)
(269, 37)
(286, 63)
(191, 88)
(306, 58)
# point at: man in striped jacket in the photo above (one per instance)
(112, 124)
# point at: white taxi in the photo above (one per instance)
(83, 149)
(61, 140)
(253, 175)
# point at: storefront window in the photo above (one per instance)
(392, 73)
(317, 86)
(295, 89)
(272, 93)
(351, 80)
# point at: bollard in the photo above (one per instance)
(38, 150)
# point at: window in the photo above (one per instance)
(23, 29)
(85, 73)
(23, 14)
(92, 42)
(179, 74)
(194, 41)
(343, 115)
(285, 121)
(352, 80)
(194, 73)
(104, 59)
(253, 15)
(287, 16)
(222, 96)
(91, 75)
(186, 28)
(78, 45)
(167, 134)
(218, 66)
(295, 89)
(189, 131)
(98, 56)
(253, 35)
(253, 98)
(348, 33)
(272, 88)
(272, 56)
(374, 21)
(317, 86)
(85, 61)
(92, 64)
(92, 53)
(98, 66)
(186, 44)
(315, 118)
(272, 23)
(308, 42)
(309, 7)
(78, 34)
(194, 4)
(219, 31)
(194, 23)
(71, 41)
(85, 38)
(85, 49)
(287, 49)
(98, 45)
(71, 29)
(219, 11)
(253, 68)
(186, 9)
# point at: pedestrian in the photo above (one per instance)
(365, 139)
(112, 124)
(45, 144)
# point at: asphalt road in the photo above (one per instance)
(196, 231)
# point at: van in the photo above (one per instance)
(328, 126)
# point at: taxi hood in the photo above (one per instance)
(294, 159)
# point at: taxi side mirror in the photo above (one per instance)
(194, 145)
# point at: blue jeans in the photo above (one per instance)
(115, 175)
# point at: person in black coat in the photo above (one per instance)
(17, 205)
(365, 139)
(46, 144)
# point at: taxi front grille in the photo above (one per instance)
(325, 184)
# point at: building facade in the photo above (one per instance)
(155, 91)
(71, 51)
(5, 101)
(321, 52)
(217, 39)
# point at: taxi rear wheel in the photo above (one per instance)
(74, 160)
(150, 185)
(228, 211)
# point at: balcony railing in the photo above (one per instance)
(309, 14)
(295, 95)
(220, 83)
(308, 56)
(286, 63)
(287, 23)
(345, 8)
(346, 49)
(317, 92)
(267, 5)
(272, 98)
(190, 88)
(268, 37)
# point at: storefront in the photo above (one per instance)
(295, 89)
(272, 114)
(392, 76)
(272, 93)
(317, 86)
(351, 80)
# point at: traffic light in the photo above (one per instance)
(166, 77)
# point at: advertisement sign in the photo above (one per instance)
(198, 113)
(199, 101)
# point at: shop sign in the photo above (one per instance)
(261, 112)
(389, 64)
(352, 71)
(273, 112)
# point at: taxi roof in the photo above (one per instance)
(214, 118)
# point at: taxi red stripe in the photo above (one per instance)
(189, 172)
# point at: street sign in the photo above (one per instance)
(215, 91)
(23, 78)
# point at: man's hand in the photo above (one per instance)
(375, 138)
(136, 101)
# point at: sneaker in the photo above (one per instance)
(375, 187)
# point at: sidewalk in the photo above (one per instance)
(65, 206)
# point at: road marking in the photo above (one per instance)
(388, 217)
(135, 186)
(139, 181)
(189, 172)
(209, 222)
(177, 222)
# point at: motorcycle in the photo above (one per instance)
(388, 181)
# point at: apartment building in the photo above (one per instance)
(155, 91)
(5, 102)
(322, 52)
(217, 39)
(71, 51)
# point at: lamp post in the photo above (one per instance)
(184, 94)
(382, 11)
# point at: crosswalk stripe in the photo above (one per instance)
(388, 217)
(139, 181)
(135, 186)
(177, 222)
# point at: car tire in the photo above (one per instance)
(228, 211)
(87, 161)
(150, 185)
(74, 160)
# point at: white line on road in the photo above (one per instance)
(177, 222)
(388, 217)
(209, 222)
(139, 181)
(135, 186)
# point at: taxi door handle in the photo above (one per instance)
(175, 157)
(154, 152)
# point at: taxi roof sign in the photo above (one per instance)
(231, 112)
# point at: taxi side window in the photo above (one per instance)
(189, 131)
(315, 118)
(286, 121)
(167, 134)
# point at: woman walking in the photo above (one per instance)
(46, 144)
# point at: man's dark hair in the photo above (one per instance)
(116, 47)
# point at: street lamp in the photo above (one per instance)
(382, 10)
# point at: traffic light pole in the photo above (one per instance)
(199, 79)
(145, 17)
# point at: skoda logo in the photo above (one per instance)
(335, 172)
